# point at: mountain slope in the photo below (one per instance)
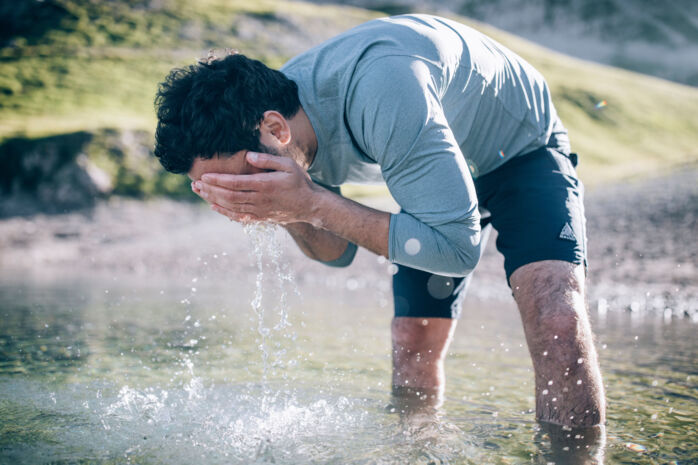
(70, 65)
(651, 37)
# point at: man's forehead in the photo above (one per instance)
(220, 163)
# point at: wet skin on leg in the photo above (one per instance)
(550, 297)
(419, 350)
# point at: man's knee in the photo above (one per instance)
(550, 296)
(549, 288)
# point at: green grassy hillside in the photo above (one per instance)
(70, 65)
(97, 64)
(648, 124)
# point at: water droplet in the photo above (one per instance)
(602, 306)
(579, 381)
(550, 383)
(545, 354)
(393, 269)
(473, 169)
(545, 392)
(580, 361)
(440, 287)
(413, 246)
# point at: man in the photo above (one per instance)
(455, 124)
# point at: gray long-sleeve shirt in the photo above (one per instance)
(425, 104)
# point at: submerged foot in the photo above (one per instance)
(409, 401)
(572, 446)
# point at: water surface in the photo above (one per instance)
(119, 370)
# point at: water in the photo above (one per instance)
(106, 371)
(265, 247)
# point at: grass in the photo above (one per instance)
(649, 124)
(93, 65)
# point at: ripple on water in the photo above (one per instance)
(220, 424)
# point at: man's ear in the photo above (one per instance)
(274, 128)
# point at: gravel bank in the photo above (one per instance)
(643, 253)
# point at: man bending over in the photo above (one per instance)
(466, 137)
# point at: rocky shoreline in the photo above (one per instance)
(642, 247)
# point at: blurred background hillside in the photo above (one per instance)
(78, 77)
(652, 37)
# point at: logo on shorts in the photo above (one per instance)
(567, 233)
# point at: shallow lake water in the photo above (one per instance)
(147, 371)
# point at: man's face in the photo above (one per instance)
(236, 163)
(227, 164)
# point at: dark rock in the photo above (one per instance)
(67, 172)
(43, 175)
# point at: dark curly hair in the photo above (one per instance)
(215, 106)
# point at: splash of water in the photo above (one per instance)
(223, 424)
(266, 246)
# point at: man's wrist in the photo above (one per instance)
(317, 205)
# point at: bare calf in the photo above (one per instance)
(550, 297)
(419, 350)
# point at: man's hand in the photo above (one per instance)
(284, 194)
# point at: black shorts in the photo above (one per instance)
(535, 202)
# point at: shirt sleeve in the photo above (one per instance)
(395, 116)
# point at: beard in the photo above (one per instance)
(270, 150)
(291, 151)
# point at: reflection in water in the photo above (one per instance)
(42, 340)
(574, 446)
(420, 417)
(107, 372)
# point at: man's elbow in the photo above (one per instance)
(343, 260)
(465, 258)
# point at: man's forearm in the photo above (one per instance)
(351, 221)
(316, 243)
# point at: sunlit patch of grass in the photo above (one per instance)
(91, 65)
(99, 63)
(648, 125)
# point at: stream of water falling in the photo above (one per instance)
(266, 247)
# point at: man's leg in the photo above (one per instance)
(427, 307)
(551, 300)
(419, 350)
